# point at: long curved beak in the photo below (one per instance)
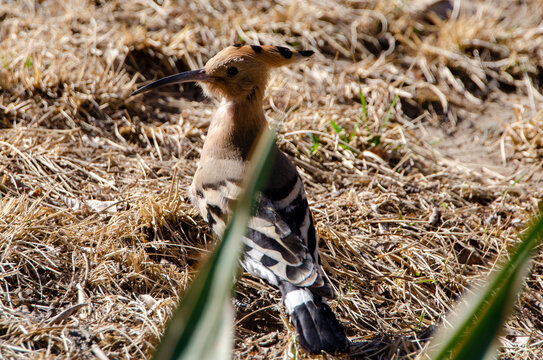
(187, 76)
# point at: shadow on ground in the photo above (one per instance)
(384, 347)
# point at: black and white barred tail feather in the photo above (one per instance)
(317, 327)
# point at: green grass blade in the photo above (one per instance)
(202, 326)
(337, 128)
(364, 111)
(387, 117)
(362, 117)
(479, 319)
(315, 145)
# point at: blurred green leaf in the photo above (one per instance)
(478, 320)
(202, 325)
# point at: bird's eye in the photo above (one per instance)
(232, 71)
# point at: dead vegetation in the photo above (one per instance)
(97, 236)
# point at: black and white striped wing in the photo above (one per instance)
(281, 243)
(281, 237)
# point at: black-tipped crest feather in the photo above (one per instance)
(306, 53)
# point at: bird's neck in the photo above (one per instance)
(234, 128)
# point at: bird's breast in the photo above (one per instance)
(216, 185)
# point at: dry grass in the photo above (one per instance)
(97, 236)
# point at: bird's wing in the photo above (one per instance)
(281, 236)
(281, 243)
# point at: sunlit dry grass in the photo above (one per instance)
(97, 235)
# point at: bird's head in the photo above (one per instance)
(236, 72)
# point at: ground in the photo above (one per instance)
(415, 199)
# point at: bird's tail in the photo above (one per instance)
(317, 326)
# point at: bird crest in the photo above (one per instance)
(272, 56)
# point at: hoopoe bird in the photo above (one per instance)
(281, 241)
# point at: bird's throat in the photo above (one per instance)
(234, 128)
